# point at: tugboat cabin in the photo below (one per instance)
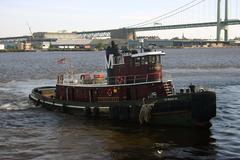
(130, 76)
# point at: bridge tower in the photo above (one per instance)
(222, 25)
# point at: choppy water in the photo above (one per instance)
(27, 132)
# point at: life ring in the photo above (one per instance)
(120, 80)
(109, 92)
(85, 76)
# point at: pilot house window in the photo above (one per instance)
(152, 59)
(118, 60)
(144, 60)
(137, 61)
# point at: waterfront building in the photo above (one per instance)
(55, 36)
(179, 43)
(24, 46)
(73, 44)
(2, 47)
(60, 40)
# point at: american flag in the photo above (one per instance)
(61, 61)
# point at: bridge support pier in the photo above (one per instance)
(226, 19)
(222, 25)
(219, 20)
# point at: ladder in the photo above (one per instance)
(168, 88)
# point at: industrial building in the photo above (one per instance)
(55, 36)
(161, 43)
(73, 44)
(59, 40)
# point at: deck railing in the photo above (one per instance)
(91, 79)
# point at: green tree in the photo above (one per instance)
(100, 46)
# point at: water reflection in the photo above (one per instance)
(167, 143)
(136, 142)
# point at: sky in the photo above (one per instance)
(88, 15)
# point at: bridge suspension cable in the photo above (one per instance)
(168, 14)
(171, 15)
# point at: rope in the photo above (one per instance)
(145, 113)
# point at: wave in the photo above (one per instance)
(21, 105)
(3, 82)
(23, 88)
(14, 94)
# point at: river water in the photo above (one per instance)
(29, 132)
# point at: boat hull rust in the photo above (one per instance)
(188, 109)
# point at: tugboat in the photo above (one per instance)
(132, 90)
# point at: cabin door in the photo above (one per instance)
(91, 95)
(69, 93)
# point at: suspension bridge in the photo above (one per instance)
(221, 23)
(194, 14)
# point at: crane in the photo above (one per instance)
(29, 28)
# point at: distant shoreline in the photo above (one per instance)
(50, 50)
(89, 50)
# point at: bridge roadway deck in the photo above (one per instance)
(179, 26)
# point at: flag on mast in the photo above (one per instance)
(61, 61)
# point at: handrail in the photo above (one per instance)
(129, 79)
